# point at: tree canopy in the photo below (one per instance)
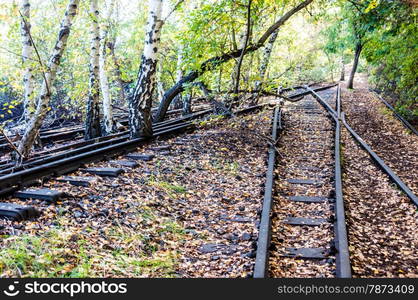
(204, 38)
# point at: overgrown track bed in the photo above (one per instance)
(84, 146)
(302, 243)
(386, 135)
(192, 212)
(67, 162)
(382, 221)
(405, 122)
(74, 134)
(375, 221)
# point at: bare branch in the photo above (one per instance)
(18, 54)
(180, 2)
(37, 54)
(11, 143)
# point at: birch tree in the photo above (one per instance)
(42, 105)
(104, 83)
(140, 103)
(111, 42)
(265, 59)
(181, 101)
(27, 53)
(178, 100)
(216, 61)
(92, 128)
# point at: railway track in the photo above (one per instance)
(302, 229)
(378, 160)
(305, 231)
(54, 135)
(404, 122)
(68, 158)
(89, 145)
(60, 164)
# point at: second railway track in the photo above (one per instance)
(303, 228)
(307, 238)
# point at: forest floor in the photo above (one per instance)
(382, 222)
(191, 212)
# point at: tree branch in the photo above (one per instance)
(11, 144)
(214, 62)
(180, 2)
(37, 53)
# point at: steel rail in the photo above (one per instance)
(264, 232)
(366, 147)
(321, 101)
(381, 163)
(342, 257)
(10, 183)
(95, 143)
(72, 163)
(405, 123)
(64, 134)
(264, 236)
(309, 89)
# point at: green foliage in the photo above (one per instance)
(310, 46)
(389, 35)
(392, 53)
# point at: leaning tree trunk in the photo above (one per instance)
(160, 86)
(140, 123)
(27, 51)
(92, 127)
(104, 82)
(359, 47)
(35, 123)
(265, 60)
(216, 61)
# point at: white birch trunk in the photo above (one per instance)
(104, 82)
(140, 104)
(160, 87)
(40, 113)
(177, 102)
(27, 54)
(93, 129)
(266, 59)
